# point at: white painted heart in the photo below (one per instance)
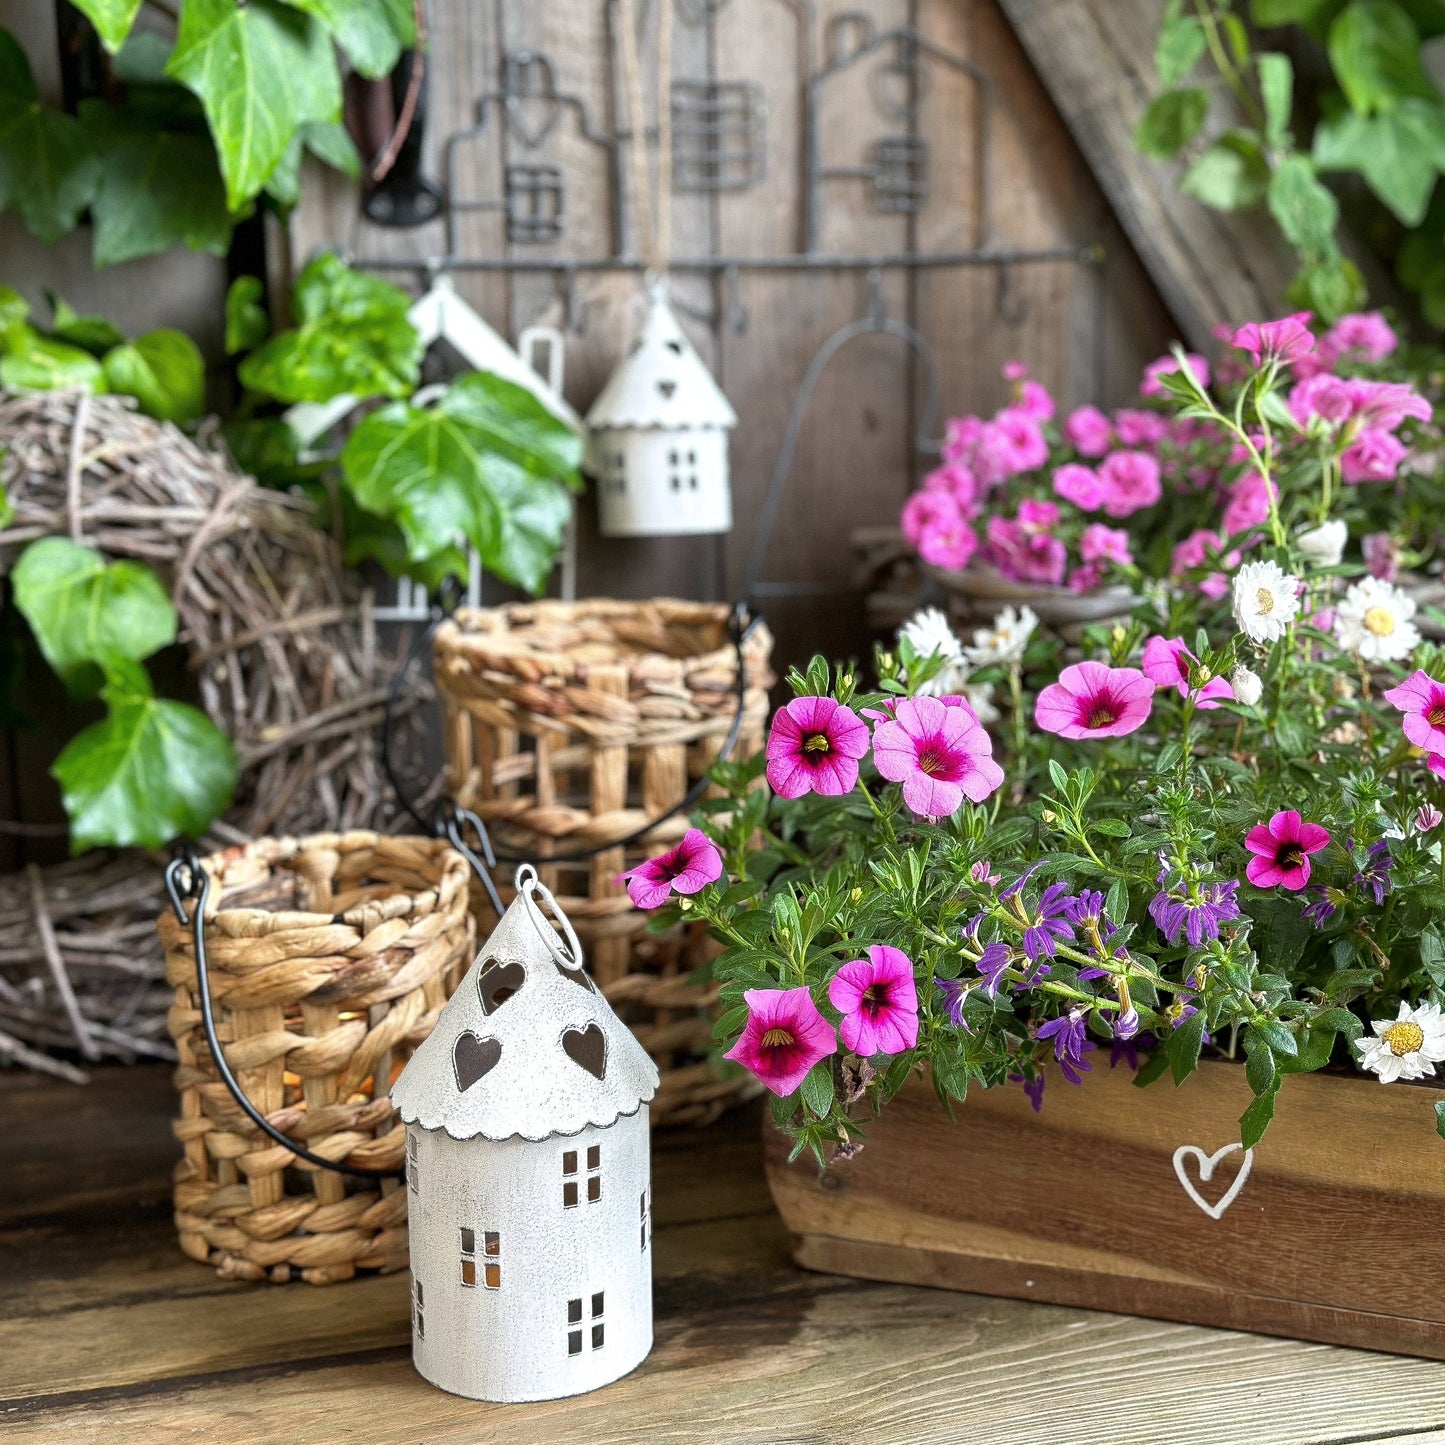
(1206, 1173)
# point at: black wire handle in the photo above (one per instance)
(196, 888)
(742, 623)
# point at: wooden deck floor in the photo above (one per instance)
(109, 1334)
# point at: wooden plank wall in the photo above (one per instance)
(1085, 330)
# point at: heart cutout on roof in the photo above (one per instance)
(473, 1058)
(497, 982)
(667, 387)
(587, 1048)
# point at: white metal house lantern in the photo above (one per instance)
(659, 438)
(528, 1173)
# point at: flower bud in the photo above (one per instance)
(1248, 689)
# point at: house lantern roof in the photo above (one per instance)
(527, 1046)
(661, 383)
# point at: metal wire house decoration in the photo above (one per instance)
(720, 144)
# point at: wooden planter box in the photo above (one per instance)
(1334, 1234)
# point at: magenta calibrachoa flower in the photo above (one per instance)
(1282, 848)
(1166, 663)
(784, 1037)
(1091, 700)
(813, 747)
(1422, 700)
(879, 1002)
(687, 868)
(937, 750)
(1286, 340)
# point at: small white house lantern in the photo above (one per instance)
(659, 438)
(528, 1173)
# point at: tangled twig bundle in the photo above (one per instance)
(279, 638)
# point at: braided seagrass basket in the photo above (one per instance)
(329, 958)
(569, 725)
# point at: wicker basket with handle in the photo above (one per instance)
(569, 725)
(329, 959)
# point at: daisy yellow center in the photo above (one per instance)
(817, 743)
(1380, 621)
(1404, 1038)
(1264, 600)
(776, 1038)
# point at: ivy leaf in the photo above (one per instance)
(33, 362)
(1329, 288)
(14, 308)
(91, 333)
(247, 324)
(329, 143)
(1178, 50)
(1270, 13)
(534, 513)
(1375, 51)
(85, 610)
(158, 188)
(1303, 206)
(164, 371)
(151, 771)
(518, 426)
(352, 337)
(1276, 88)
(112, 19)
(1399, 153)
(1231, 175)
(261, 70)
(47, 170)
(371, 32)
(1171, 122)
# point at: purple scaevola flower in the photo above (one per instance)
(1196, 919)
(1033, 1087)
(1126, 1024)
(1086, 908)
(1319, 910)
(1129, 1050)
(954, 995)
(1374, 877)
(1017, 886)
(1041, 938)
(996, 958)
(1070, 1044)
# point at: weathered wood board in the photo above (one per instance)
(1333, 1235)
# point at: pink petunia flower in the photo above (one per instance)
(813, 747)
(927, 509)
(1248, 504)
(1374, 456)
(1386, 404)
(948, 543)
(784, 1037)
(1286, 340)
(939, 753)
(1166, 663)
(1326, 396)
(1427, 817)
(1282, 848)
(878, 999)
(1105, 544)
(955, 480)
(960, 438)
(1436, 763)
(1131, 482)
(1023, 553)
(1422, 700)
(1140, 428)
(1089, 431)
(1035, 401)
(1080, 485)
(1363, 336)
(1085, 578)
(1164, 365)
(1026, 446)
(1091, 700)
(687, 868)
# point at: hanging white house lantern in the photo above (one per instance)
(658, 438)
(529, 1173)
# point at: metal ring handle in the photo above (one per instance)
(529, 888)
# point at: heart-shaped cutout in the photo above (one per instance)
(667, 387)
(587, 1048)
(497, 982)
(474, 1058)
(1207, 1164)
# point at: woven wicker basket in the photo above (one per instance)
(572, 724)
(329, 958)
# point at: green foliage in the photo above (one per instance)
(163, 370)
(1230, 175)
(487, 461)
(1171, 122)
(247, 324)
(85, 612)
(352, 337)
(94, 334)
(1399, 152)
(150, 771)
(34, 362)
(1375, 53)
(112, 19)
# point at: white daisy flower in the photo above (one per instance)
(1324, 545)
(1006, 640)
(1266, 600)
(1248, 689)
(1373, 621)
(980, 699)
(928, 633)
(1407, 1047)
